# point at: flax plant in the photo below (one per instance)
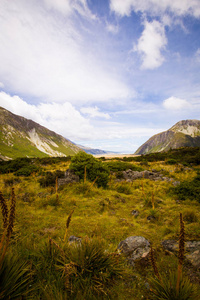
(8, 223)
(67, 224)
(176, 287)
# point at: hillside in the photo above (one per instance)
(185, 133)
(77, 240)
(20, 137)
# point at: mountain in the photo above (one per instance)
(20, 137)
(94, 151)
(185, 133)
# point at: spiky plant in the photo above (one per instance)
(89, 269)
(67, 224)
(174, 287)
(8, 224)
(15, 279)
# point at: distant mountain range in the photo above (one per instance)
(20, 137)
(185, 133)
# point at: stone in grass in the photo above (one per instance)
(135, 213)
(192, 249)
(73, 239)
(135, 248)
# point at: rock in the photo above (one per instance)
(151, 218)
(73, 239)
(135, 248)
(194, 259)
(192, 249)
(70, 177)
(130, 175)
(135, 213)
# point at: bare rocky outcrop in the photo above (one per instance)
(130, 175)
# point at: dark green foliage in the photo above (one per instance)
(26, 171)
(52, 160)
(165, 289)
(95, 169)
(21, 166)
(15, 279)
(186, 156)
(188, 189)
(116, 166)
(31, 164)
(49, 178)
(171, 161)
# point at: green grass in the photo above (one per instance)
(102, 215)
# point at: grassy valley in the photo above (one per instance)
(47, 214)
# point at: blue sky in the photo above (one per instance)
(106, 74)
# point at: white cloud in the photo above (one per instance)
(94, 112)
(150, 44)
(174, 103)
(45, 56)
(155, 7)
(67, 7)
(61, 118)
(112, 28)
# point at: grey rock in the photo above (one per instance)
(135, 248)
(70, 177)
(135, 213)
(192, 249)
(73, 239)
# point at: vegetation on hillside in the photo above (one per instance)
(38, 261)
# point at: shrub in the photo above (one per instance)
(26, 171)
(188, 189)
(85, 164)
(49, 179)
(116, 166)
(171, 161)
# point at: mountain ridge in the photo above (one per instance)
(21, 137)
(185, 133)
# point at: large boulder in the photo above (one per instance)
(135, 248)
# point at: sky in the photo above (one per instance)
(106, 74)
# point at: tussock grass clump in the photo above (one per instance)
(91, 270)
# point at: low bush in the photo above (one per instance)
(116, 166)
(49, 178)
(88, 167)
(188, 189)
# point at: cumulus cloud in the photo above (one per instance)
(150, 45)
(174, 103)
(46, 56)
(155, 7)
(62, 118)
(94, 112)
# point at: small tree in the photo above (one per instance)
(86, 164)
